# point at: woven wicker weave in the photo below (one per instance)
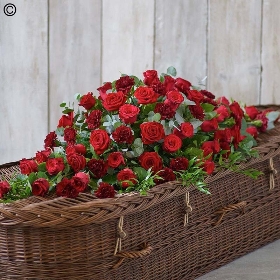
(165, 235)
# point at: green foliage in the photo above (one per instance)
(171, 71)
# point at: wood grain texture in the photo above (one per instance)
(234, 49)
(128, 37)
(23, 79)
(74, 51)
(180, 37)
(271, 53)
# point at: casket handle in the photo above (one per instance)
(232, 207)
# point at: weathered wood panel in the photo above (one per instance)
(271, 53)
(234, 49)
(128, 37)
(180, 37)
(74, 51)
(23, 79)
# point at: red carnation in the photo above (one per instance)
(151, 77)
(145, 95)
(128, 113)
(87, 101)
(166, 174)
(66, 120)
(222, 113)
(175, 98)
(151, 160)
(210, 147)
(151, 132)
(179, 164)
(54, 165)
(126, 175)
(66, 188)
(123, 134)
(237, 137)
(105, 190)
(124, 84)
(223, 135)
(42, 156)
(225, 147)
(252, 112)
(28, 166)
(186, 130)
(208, 94)
(195, 96)
(40, 187)
(237, 112)
(100, 141)
(70, 135)
(4, 188)
(80, 181)
(102, 90)
(76, 161)
(208, 166)
(114, 101)
(115, 159)
(93, 119)
(197, 111)
(172, 143)
(166, 110)
(210, 125)
(159, 88)
(253, 131)
(262, 117)
(223, 100)
(50, 140)
(182, 85)
(97, 167)
(169, 83)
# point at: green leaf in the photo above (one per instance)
(67, 110)
(77, 96)
(42, 167)
(110, 178)
(32, 177)
(141, 173)
(171, 71)
(207, 107)
(63, 104)
(156, 117)
(41, 174)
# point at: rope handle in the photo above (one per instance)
(145, 250)
(272, 174)
(232, 207)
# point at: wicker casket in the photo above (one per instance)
(172, 233)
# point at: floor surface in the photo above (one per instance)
(262, 264)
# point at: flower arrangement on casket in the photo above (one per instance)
(137, 134)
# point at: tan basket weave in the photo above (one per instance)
(173, 233)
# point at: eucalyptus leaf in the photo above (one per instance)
(171, 71)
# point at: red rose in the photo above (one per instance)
(151, 77)
(172, 143)
(97, 167)
(128, 113)
(50, 140)
(197, 111)
(102, 90)
(123, 134)
(66, 188)
(145, 95)
(223, 100)
(151, 132)
(209, 125)
(237, 137)
(222, 113)
(124, 84)
(100, 140)
(114, 101)
(105, 190)
(42, 156)
(253, 131)
(126, 175)
(168, 83)
(179, 164)
(87, 101)
(186, 130)
(4, 188)
(208, 94)
(40, 187)
(166, 110)
(166, 174)
(151, 159)
(93, 119)
(223, 135)
(80, 149)
(28, 166)
(54, 165)
(182, 85)
(115, 159)
(175, 98)
(208, 166)
(195, 96)
(66, 120)
(237, 112)
(80, 181)
(70, 135)
(252, 112)
(262, 117)
(210, 147)
(76, 161)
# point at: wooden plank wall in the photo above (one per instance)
(50, 50)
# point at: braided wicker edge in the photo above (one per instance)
(86, 209)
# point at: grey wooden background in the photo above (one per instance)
(52, 49)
